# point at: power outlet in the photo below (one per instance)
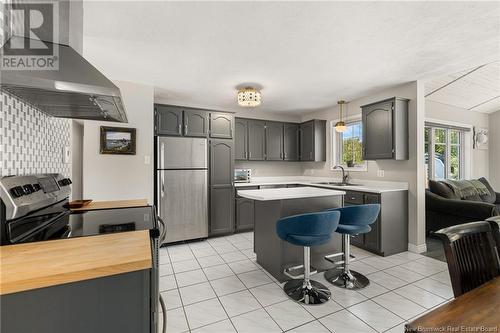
(147, 159)
(380, 173)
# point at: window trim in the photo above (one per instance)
(335, 146)
(463, 165)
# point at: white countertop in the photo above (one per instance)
(364, 185)
(288, 193)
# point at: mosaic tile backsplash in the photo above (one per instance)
(31, 141)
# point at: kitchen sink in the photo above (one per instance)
(337, 184)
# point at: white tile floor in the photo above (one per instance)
(217, 286)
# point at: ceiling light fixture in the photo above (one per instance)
(340, 126)
(249, 97)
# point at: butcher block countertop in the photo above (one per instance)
(44, 264)
(112, 204)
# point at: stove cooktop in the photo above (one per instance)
(57, 222)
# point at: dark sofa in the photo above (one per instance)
(443, 208)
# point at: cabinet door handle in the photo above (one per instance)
(179, 129)
(250, 154)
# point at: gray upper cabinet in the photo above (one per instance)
(221, 162)
(290, 142)
(240, 139)
(260, 140)
(312, 138)
(274, 141)
(306, 141)
(174, 120)
(256, 140)
(385, 129)
(168, 120)
(221, 125)
(195, 123)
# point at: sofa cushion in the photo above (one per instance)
(475, 197)
(442, 189)
(492, 196)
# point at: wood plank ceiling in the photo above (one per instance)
(475, 89)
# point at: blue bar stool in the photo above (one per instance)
(307, 230)
(354, 220)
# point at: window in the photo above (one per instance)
(349, 147)
(444, 153)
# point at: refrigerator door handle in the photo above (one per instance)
(162, 185)
(162, 155)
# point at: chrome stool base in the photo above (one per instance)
(348, 280)
(310, 293)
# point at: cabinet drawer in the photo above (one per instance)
(352, 197)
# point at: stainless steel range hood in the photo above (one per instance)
(75, 90)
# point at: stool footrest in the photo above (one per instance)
(331, 256)
(290, 270)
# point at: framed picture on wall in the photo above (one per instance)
(117, 140)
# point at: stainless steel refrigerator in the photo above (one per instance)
(182, 174)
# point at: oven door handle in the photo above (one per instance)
(164, 313)
(67, 233)
(40, 227)
(163, 232)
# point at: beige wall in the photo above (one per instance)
(410, 171)
(110, 177)
(479, 164)
(494, 149)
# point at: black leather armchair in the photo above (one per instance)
(442, 212)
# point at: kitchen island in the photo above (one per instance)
(274, 254)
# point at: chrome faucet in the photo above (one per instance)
(345, 177)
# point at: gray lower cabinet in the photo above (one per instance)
(221, 125)
(222, 210)
(114, 304)
(221, 186)
(274, 141)
(240, 139)
(256, 140)
(389, 234)
(385, 129)
(372, 239)
(195, 123)
(312, 138)
(244, 214)
(244, 210)
(290, 142)
(168, 120)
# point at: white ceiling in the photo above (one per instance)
(304, 55)
(476, 89)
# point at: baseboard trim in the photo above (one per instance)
(417, 248)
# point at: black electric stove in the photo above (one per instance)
(43, 215)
